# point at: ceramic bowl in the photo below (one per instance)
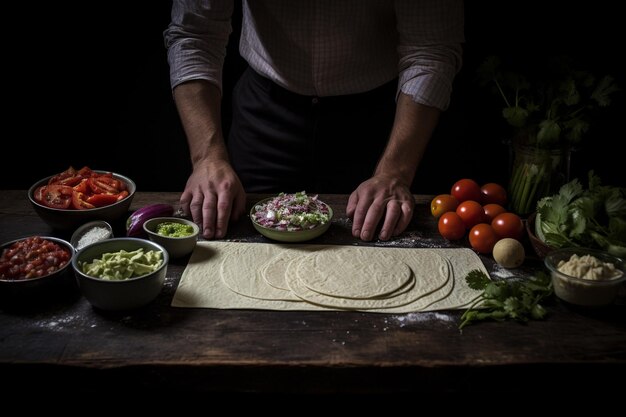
(540, 248)
(177, 247)
(124, 294)
(286, 235)
(15, 292)
(67, 219)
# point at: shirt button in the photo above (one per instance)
(315, 100)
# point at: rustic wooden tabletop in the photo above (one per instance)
(273, 351)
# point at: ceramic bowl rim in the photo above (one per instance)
(120, 239)
(57, 240)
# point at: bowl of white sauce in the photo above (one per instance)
(585, 277)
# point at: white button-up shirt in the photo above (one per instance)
(325, 47)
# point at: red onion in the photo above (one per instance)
(134, 224)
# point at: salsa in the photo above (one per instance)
(32, 257)
(292, 212)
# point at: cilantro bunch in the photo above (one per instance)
(552, 107)
(507, 300)
(593, 217)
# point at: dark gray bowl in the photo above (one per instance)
(119, 295)
(66, 220)
(34, 290)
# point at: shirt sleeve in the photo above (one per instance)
(196, 40)
(429, 48)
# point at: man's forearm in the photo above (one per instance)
(412, 128)
(198, 104)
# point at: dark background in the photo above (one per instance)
(89, 86)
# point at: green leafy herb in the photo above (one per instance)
(551, 105)
(507, 300)
(593, 217)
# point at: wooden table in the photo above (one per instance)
(323, 352)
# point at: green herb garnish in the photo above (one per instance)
(507, 300)
(594, 217)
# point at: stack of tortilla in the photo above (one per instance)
(326, 277)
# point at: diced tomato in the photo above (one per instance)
(57, 196)
(80, 201)
(103, 199)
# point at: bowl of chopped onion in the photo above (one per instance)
(294, 217)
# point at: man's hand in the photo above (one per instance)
(377, 197)
(213, 196)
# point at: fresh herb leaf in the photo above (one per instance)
(507, 300)
(477, 280)
(594, 217)
(605, 87)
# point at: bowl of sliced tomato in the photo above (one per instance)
(73, 197)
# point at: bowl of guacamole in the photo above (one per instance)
(176, 234)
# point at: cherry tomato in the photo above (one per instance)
(442, 204)
(451, 226)
(466, 189)
(471, 213)
(493, 193)
(508, 225)
(483, 238)
(492, 210)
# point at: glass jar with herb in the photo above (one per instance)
(550, 110)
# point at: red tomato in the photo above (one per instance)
(483, 238)
(508, 225)
(466, 189)
(122, 195)
(100, 200)
(442, 204)
(82, 186)
(492, 210)
(68, 173)
(85, 172)
(80, 201)
(102, 184)
(471, 213)
(57, 196)
(493, 193)
(38, 195)
(451, 226)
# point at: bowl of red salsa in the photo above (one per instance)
(33, 267)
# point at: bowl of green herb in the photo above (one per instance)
(592, 217)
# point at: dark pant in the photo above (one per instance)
(282, 141)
